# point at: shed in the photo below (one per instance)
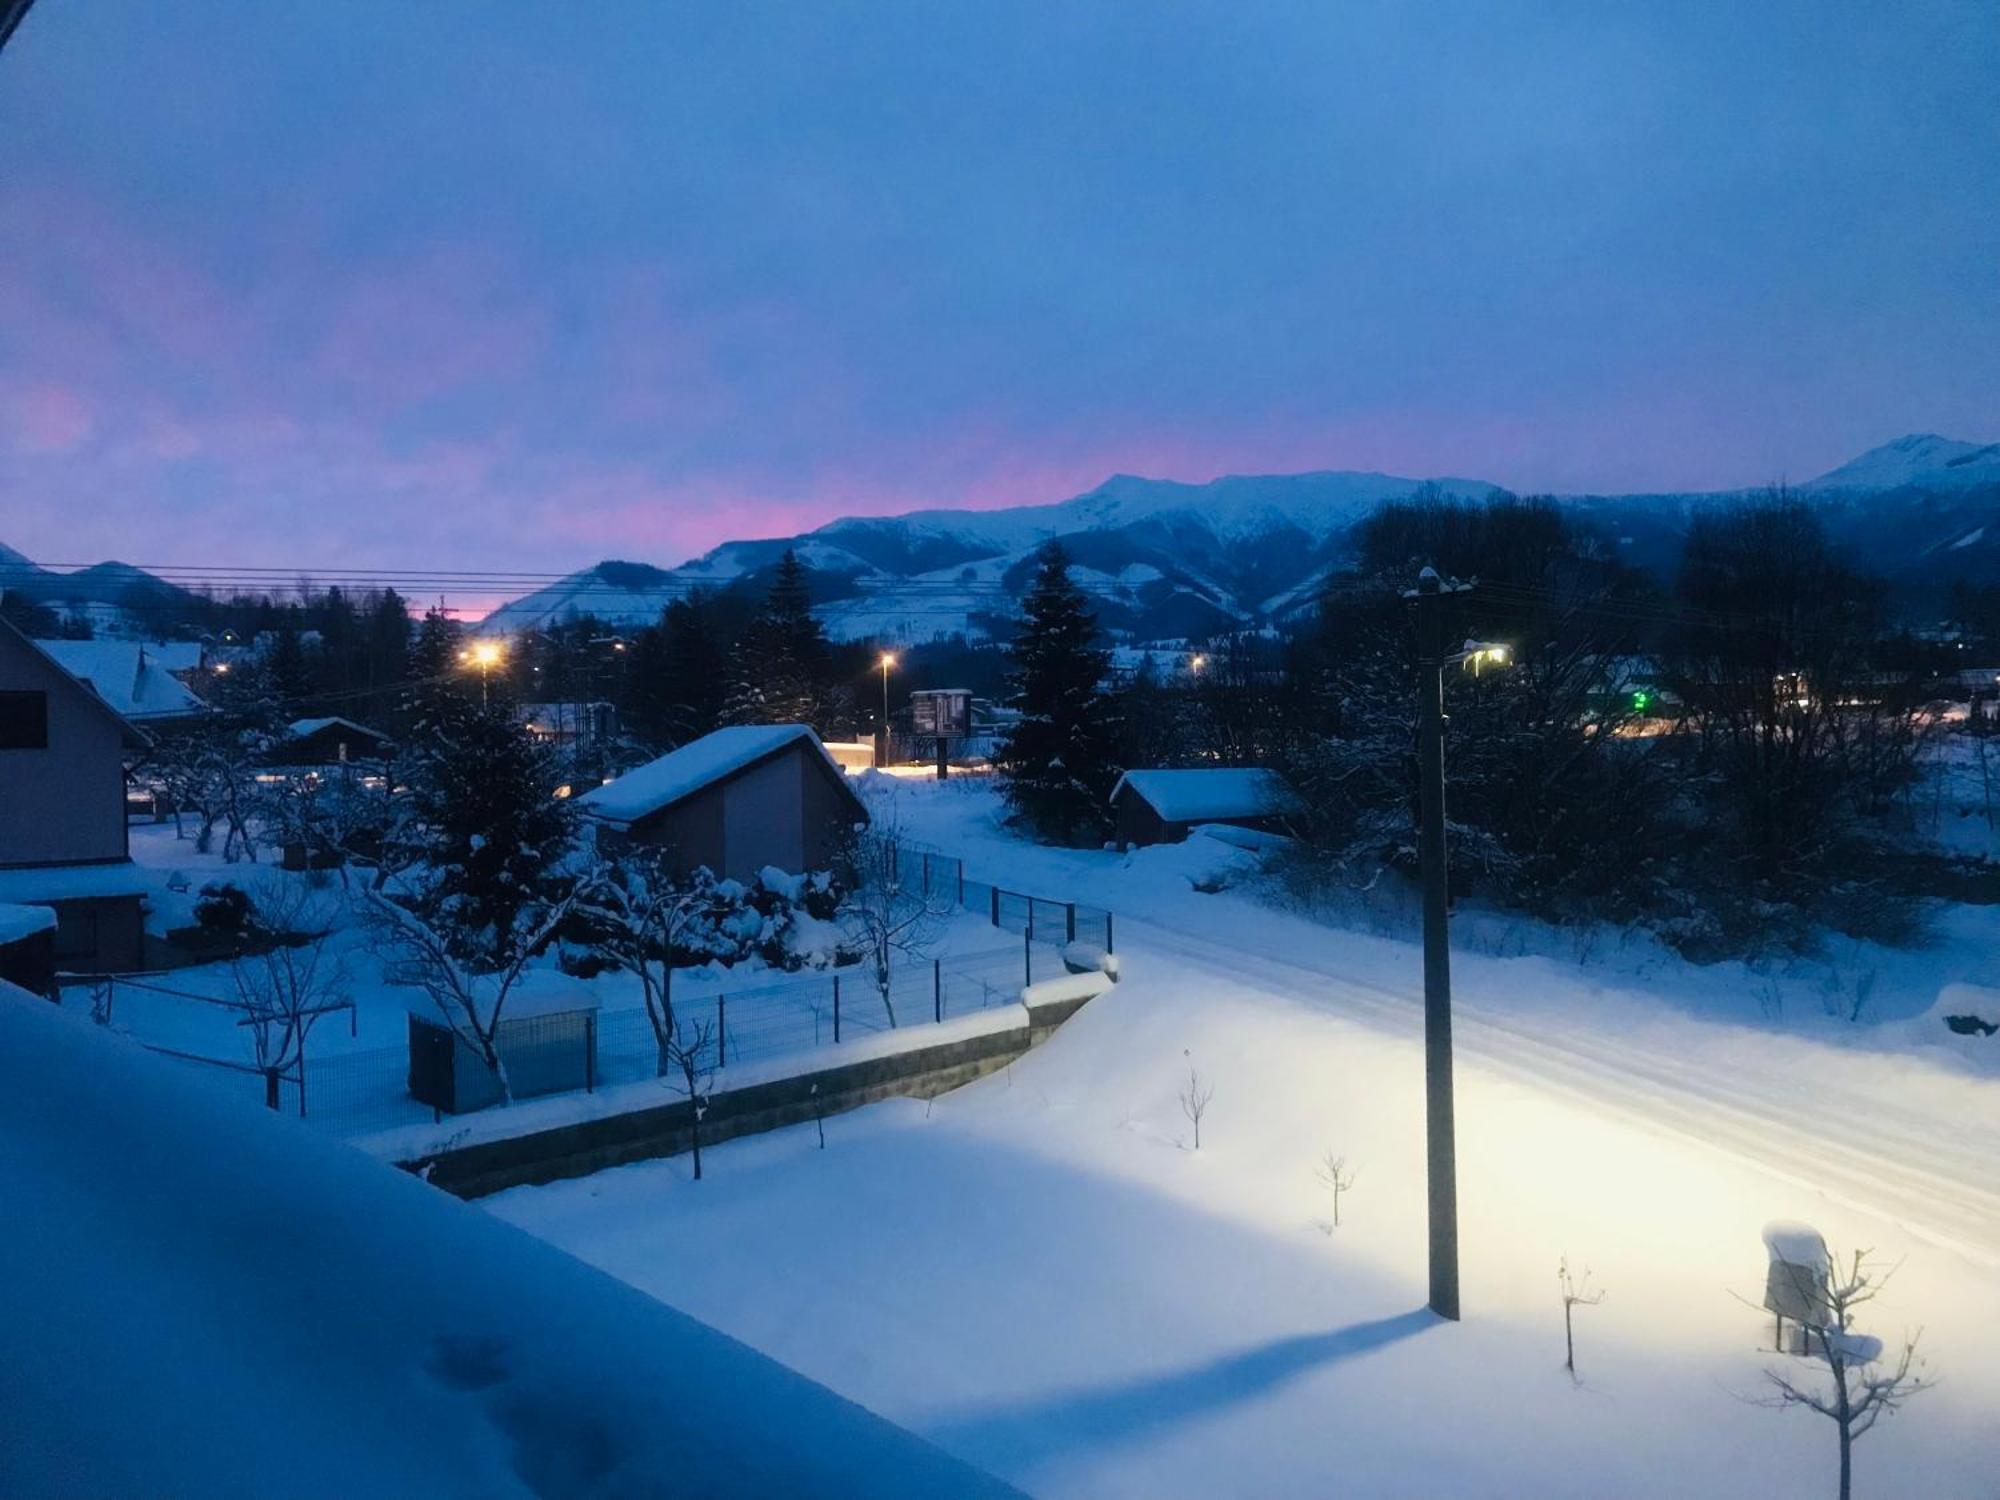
(736, 801)
(1159, 807)
(547, 1040)
(27, 947)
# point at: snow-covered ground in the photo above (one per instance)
(1040, 1274)
(203, 1299)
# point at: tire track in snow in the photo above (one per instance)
(1952, 1209)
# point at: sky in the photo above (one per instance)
(525, 285)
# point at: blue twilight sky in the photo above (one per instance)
(494, 284)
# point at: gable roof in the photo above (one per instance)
(1209, 792)
(134, 738)
(300, 729)
(126, 675)
(679, 774)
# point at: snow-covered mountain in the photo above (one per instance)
(1160, 558)
(1921, 461)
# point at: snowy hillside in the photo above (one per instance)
(1923, 460)
(207, 1299)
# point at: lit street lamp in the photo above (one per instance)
(1197, 662)
(888, 660)
(1427, 598)
(485, 655)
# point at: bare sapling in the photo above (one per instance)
(1194, 1101)
(1861, 1387)
(887, 914)
(286, 988)
(690, 1055)
(1336, 1176)
(1576, 1292)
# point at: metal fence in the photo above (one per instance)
(1039, 918)
(358, 1092)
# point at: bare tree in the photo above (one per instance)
(638, 913)
(1337, 1177)
(1576, 1292)
(1862, 1388)
(884, 913)
(690, 1056)
(1194, 1101)
(472, 1003)
(294, 981)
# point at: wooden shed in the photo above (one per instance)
(1159, 807)
(736, 801)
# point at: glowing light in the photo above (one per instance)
(888, 660)
(485, 654)
(1197, 662)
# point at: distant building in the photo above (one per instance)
(63, 750)
(1159, 807)
(735, 801)
(581, 725)
(329, 742)
(135, 677)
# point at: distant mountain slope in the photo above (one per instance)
(1920, 461)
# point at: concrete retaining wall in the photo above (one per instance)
(588, 1146)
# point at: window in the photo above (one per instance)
(24, 721)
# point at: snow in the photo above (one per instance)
(1795, 1243)
(1153, 1321)
(18, 923)
(1086, 986)
(298, 729)
(538, 992)
(681, 773)
(38, 883)
(127, 675)
(213, 1301)
(1191, 796)
(1919, 459)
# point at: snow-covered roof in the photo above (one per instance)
(1209, 792)
(18, 922)
(299, 729)
(34, 884)
(127, 675)
(1795, 1244)
(681, 773)
(539, 1375)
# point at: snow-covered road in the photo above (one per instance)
(1927, 1163)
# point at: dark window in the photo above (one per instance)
(24, 721)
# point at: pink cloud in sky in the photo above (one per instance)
(46, 419)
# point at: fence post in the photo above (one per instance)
(1028, 951)
(270, 1088)
(1108, 948)
(302, 1083)
(1070, 922)
(836, 1010)
(590, 1053)
(927, 874)
(994, 891)
(1031, 917)
(937, 989)
(722, 1031)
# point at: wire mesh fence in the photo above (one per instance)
(1040, 918)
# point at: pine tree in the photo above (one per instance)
(782, 670)
(1060, 760)
(487, 831)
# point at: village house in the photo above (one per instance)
(1159, 807)
(330, 741)
(141, 680)
(736, 801)
(63, 751)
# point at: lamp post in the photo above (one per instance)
(888, 660)
(1428, 600)
(485, 655)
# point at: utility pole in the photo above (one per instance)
(1428, 599)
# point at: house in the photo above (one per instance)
(735, 801)
(1159, 807)
(62, 809)
(137, 679)
(331, 741)
(569, 724)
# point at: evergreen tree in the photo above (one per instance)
(485, 831)
(1060, 760)
(782, 671)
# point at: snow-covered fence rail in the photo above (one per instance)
(1038, 918)
(360, 1092)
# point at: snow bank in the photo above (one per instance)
(1087, 986)
(1081, 957)
(214, 1301)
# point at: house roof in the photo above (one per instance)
(300, 729)
(128, 676)
(679, 774)
(134, 738)
(1209, 792)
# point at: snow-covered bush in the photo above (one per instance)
(223, 909)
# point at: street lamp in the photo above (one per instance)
(888, 660)
(485, 655)
(1428, 598)
(1197, 662)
